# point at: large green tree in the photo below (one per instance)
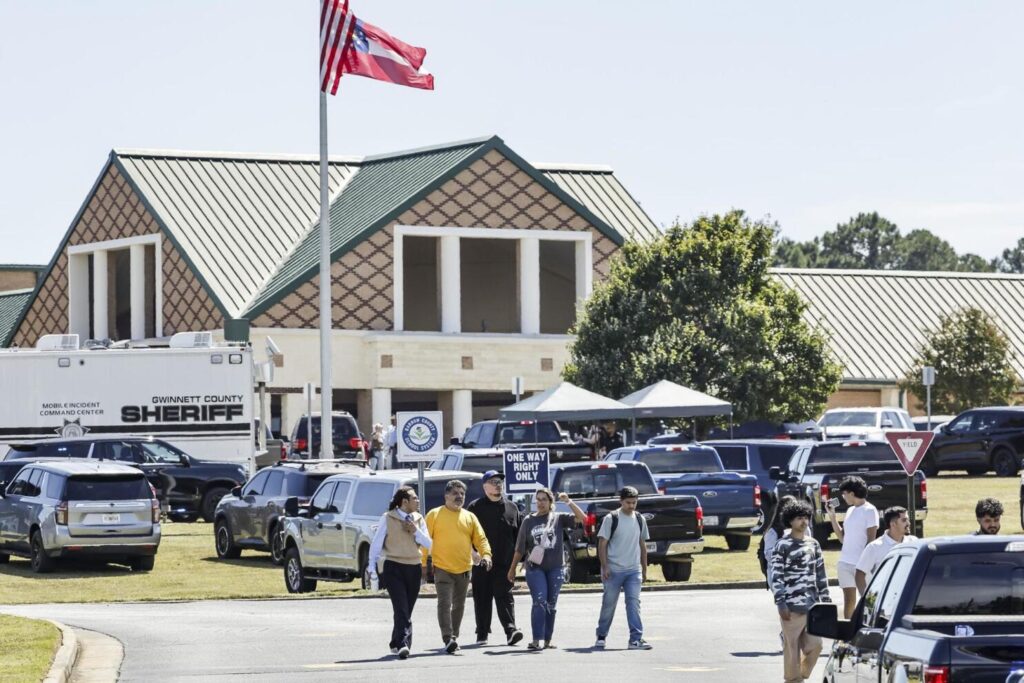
(698, 307)
(1012, 260)
(866, 241)
(923, 250)
(972, 360)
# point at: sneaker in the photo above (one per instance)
(640, 645)
(599, 643)
(533, 645)
(403, 653)
(394, 650)
(481, 640)
(515, 637)
(451, 646)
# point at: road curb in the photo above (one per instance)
(67, 655)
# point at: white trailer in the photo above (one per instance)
(193, 394)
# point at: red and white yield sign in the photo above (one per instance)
(910, 448)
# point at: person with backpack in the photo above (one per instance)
(540, 543)
(622, 549)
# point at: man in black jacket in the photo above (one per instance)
(500, 519)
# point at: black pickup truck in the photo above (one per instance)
(816, 469)
(675, 523)
(941, 610)
(483, 445)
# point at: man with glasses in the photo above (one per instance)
(454, 532)
(500, 519)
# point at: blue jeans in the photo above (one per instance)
(630, 581)
(544, 586)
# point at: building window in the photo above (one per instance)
(490, 286)
(420, 284)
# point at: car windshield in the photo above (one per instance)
(872, 452)
(685, 462)
(976, 583)
(303, 486)
(158, 451)
(483, 463)
(528, 431)
(108, 487)
(848, 418)
(603, 482)
(341, 428)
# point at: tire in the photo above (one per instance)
(210, 500)
(929, 467)
(1005, 464)
(142, 564)
(182, 518)
(575, 571)
(364, 562)
(41, 562)
(822, 532)
(919, 529)
(976, 471)
(276, 545)
(737, 541)
(224, 541)
(293, 579)
(677, 571)
(4, 558)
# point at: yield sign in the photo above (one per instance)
(910, 448)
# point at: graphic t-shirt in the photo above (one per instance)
(546, 531)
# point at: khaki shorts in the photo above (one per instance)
(847, 574)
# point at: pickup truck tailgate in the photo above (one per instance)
(669, 518)
(721, 494)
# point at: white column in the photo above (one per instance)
(380, 406)
(584, 272)
(78, 295)
(890, 397)
(462, 411)
(137, 283)
(529, 285)
(450, 265)
(99, 295)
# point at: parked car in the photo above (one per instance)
(816, 469)
(863, 423)
(330, 539)
(922, 423)
(489, 439)
(249, 518)
(756, 457)
(731, 501)
(979, 440)
(765, 429)
(185, 486)
(276, 450)
(1022, 501)
(348, 443)
(675, 523)
(943, 609)
(62, 509)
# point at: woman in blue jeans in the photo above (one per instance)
(540, 545)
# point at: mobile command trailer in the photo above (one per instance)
(193, 394)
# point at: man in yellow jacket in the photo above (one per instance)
(455, 533)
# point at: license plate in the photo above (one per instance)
(652, 547)
(111, 519)
(711, 521)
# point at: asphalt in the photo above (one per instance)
(713, 636)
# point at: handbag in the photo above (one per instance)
(536, 555)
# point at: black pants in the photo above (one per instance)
(402, 582)
(493, 586)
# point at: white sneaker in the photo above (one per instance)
(600, 643)
(640, 644)
(403, 653)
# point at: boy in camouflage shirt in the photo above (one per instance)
(798, 581)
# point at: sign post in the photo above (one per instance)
(928, 380)
(307, 393)
(910, 448)
(420, 440)
(517, 387)
(526, 470)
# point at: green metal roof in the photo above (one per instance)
(11, 305)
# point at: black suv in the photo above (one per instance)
(184, 485)
(248, 518)
(348, 442)
(979, 440)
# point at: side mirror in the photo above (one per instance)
(886, 424)
(331, 509)
(184, 461)
(945, 430)
(823, 620)
(237, 492)
(291, 506)
(775, 473)
(454, 441)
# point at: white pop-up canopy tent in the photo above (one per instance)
(668, 399)
(566, 402)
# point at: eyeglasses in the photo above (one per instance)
(494, 482)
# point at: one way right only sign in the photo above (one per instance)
(910, 448)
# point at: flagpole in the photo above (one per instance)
(326, 436)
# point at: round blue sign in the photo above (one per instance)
(419, 434)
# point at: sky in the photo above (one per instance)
(805, 113)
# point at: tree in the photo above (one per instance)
(922, 250)
(792, 254)
(1012, 260)
(866, 241)
(972, 360)
(698, 307)
(972, 263)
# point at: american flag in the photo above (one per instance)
(336, 24)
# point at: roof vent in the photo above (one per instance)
(58, 342)
(192, 340)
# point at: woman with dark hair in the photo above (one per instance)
(774, 531)
(402, 537)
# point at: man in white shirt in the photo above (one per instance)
(897, 530)
(858, 529)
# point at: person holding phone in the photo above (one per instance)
(859, 528)
(540, 543)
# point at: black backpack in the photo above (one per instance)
(615, 524)
(761, 559)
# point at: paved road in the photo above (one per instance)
(697, 636)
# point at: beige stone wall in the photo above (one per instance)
(855, 398)
(492, 193)
(17, 279)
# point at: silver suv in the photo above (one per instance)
(75, 508)
(330, 540)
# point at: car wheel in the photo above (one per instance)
(975, 471)
(142, 564)
(919, 529)
(677, 571)
(929, 467)
(4, 558)
(293, 579)
(40, 561)
(225, 541)
(737, 541)
(277, 545)
(364, 566)
(210, 500)
(1005, 463)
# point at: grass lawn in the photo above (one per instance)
(27, 647)
(187, 567)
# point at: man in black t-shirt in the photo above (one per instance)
(609, 439)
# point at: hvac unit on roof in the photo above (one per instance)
(191, 340)
(58, 342)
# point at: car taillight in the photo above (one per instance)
(825, 490)
(661, 490)
(300, 445)
(936, 674)
(355, 443)
(924, 490)
(155, 507)
(590, 525)
(61, 513)
(757, 496)
(700, 519)
(284, 451)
